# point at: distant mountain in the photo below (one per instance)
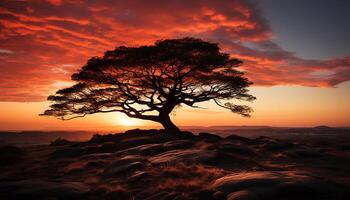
(238, 127)
(38, 137)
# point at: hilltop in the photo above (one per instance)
(153, 164)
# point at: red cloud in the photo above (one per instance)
(43, 42)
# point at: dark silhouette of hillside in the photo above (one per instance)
(285, 133)
(151, 164)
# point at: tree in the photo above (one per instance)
(148, 82)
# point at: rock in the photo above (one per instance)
(133, 138)
(178, 144)
(181, 135)
(124, 144)
(97, 156)
(124, 164)
(138, 132)
(232, 159)
(147, 149)
(136, 176)
(99, 139)
(209, 136)
(138, 141)
(273, 185)
(34, 189)
(235, 182)
(242, 195)
(190, 155)
(265, 139)
(219, 195)
(121, 168)
(238, 138)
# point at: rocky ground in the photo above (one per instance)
(152, 164)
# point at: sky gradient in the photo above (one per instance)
(295, 52)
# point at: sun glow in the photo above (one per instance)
(126, 121)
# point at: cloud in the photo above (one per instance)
(5, 51)
(42, 42)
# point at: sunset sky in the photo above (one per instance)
(296, 52)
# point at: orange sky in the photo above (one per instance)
(43, 41)
(275, 106)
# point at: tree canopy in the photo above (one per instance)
(148, 82)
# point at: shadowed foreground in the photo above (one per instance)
(151, 164)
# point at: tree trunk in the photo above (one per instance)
(168, 124)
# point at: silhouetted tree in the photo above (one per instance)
(148, 82)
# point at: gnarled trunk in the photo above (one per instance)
(168, 124)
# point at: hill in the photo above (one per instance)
(153, 164)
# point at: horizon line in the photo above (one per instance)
(125, 128)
